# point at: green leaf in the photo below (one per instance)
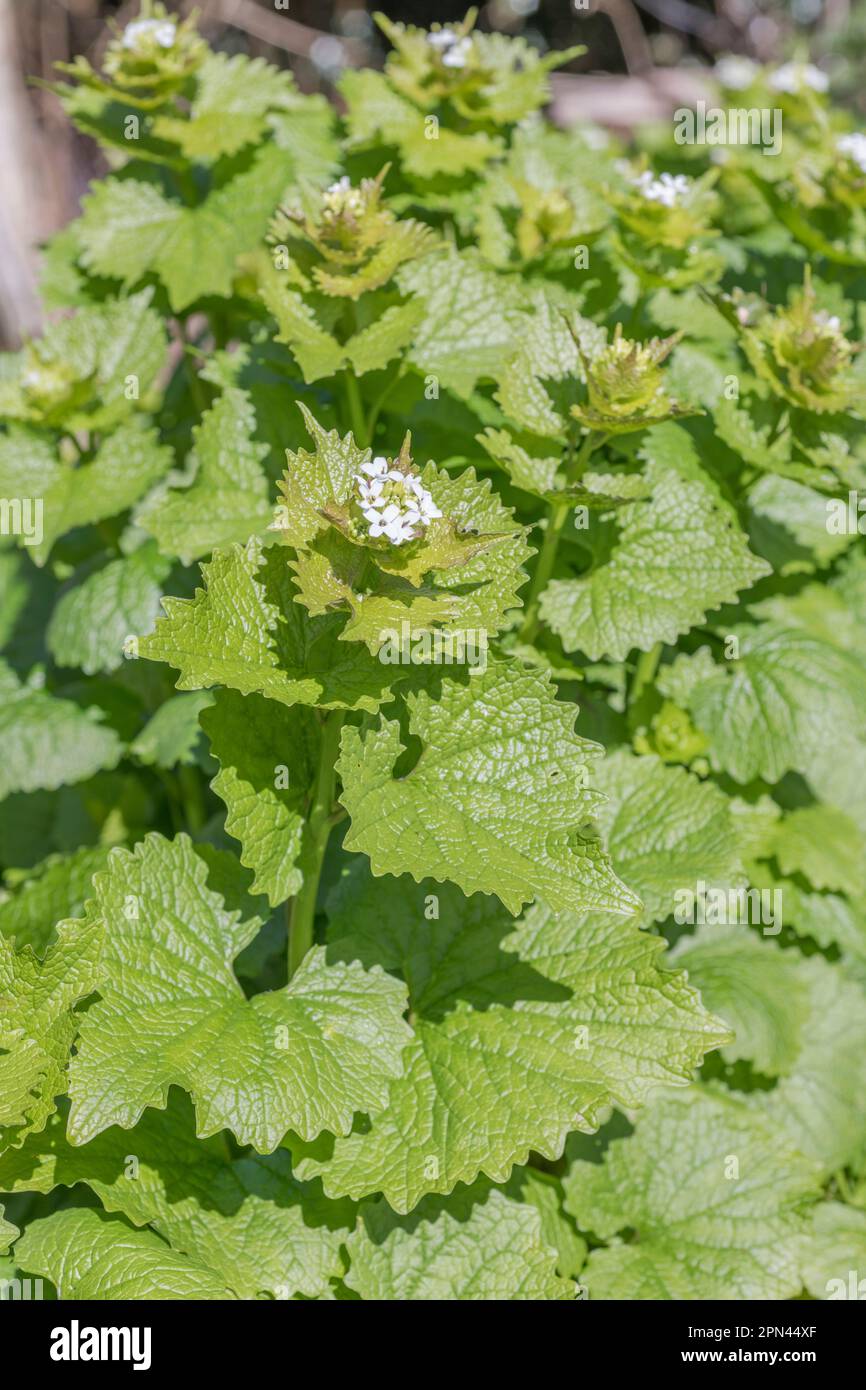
(128, 463)
(316, 351)
(229, 497)
(88, 1255)
(715, 1195)
(313, 481)
(246, 631)
(756, 988)
(833, 1249)
(497, 801)
(817, 1104)
(779, 704)
(468, 325)
(304, 1057)
(476, 1244)
(129, 229)
(268, 755)
(827, 918)
(48, 742)
(675, 557)
(93, 620)
(385, 338)
(665, 830)
(520, 1035)
(544, 1192)
(824, 844)
(96, 365)
(38, 1023)
(233, 97)
(788, 526)
(379, 114)
(8, 1233)
(546, 341)
(526, 470)
(59, 887)
(170, 736)
(247, 1220)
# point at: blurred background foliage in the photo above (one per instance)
(643, 58)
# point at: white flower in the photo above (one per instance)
(393, 504)
(735, 72)
(456, 57)
(824, 319)
(668, 189)
(793, 77)
(341, 197)
(854, 146)
(453, 48)
(160, 31)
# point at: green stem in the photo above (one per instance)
(644, 672)
(355, 405)
(375, 409)
(193, 800)
(302, 909)
(557, 515)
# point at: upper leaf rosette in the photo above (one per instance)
(800, 350)
(392, 544)
(625, 386)
(448, 96)
(664, 229)
(344, 242)
(152, 58)
(485, 77)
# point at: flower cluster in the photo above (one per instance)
(666, 227)
(342, 200)
(450, 46)
(853, 146)
(393, 503)
(144, 34)
(668, 189)
(736, 72)
(152, 57)
(793, 78)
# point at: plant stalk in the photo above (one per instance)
(557, 515)
(355, 407)
(645, 671)
(302, 908)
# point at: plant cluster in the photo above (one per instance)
(433, 802)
